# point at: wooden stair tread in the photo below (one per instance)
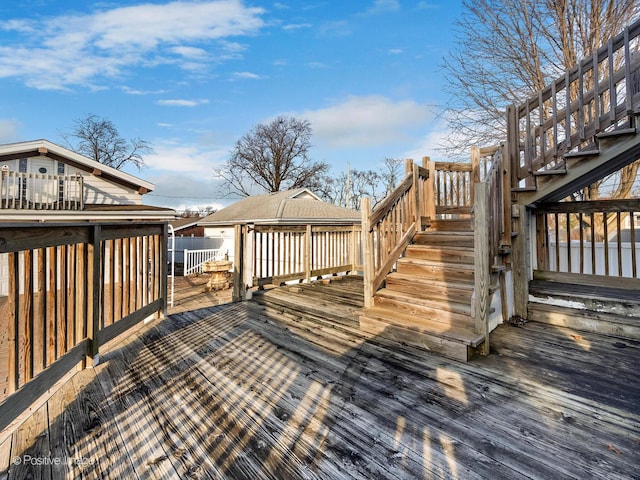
(435, 304)
(428, 282)
(551, 171)
(618, 132)
(531, 188)
(436, 263)
(582, 153)
(457, 334)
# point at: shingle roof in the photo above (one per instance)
(289, 206)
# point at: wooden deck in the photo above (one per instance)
(287, 387)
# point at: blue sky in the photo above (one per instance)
(192, 77)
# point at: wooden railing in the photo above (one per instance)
(453, 185)
(71, 288)
(389, 228)
(595, 238)
(41, 191)
(492, 232)
(598, 94)
(274, 254)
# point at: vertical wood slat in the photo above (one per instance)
(117, 286)
(568, 220)
(632, 234)
(606, 243)
(26, 317)
(593, 244)
(50, 319)
(39, 312)
(613, 101)
(369, 267)
(13, 303)
(619, 243)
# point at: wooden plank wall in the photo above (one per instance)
(71, 288)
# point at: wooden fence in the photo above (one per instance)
(72, 288)
(598, 94)
(274, 254)
(595, 238)
(41, 191)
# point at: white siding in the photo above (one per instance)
(101, 191)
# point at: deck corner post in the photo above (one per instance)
(308, 253)
(416, 197)
(367, 237)
(238, 287)
(164, 269)
(430, 188)
(247, 262)
(94, 283)
(481, 299)
(521, 262)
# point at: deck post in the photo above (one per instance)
(308, 252)
(521, 262)
(429, 190)
(247, 261)
(94, 283)
(482, 264)
(238, 287)
(416, 197)
(367, 238)
(475, 171)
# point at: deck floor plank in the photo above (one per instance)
(288, 387)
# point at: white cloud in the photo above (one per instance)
(9, 130)
(247, 75)
(189, 160)
(366, 121)
(82, 49)
(178, 102)
(381, 6)
(296, 26)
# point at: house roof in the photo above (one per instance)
(36, 148)
(289, 207)
(184, 222)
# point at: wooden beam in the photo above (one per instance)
(481, 299)
(97, 172)
(520, 265)
(43, 150)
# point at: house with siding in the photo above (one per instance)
(42, 181)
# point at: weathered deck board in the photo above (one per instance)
(290, 388)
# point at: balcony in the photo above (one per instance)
(35, 191)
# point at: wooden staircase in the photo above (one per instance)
(426, 302)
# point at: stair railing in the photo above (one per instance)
(388, 229)
(492, 227)
(598, 94)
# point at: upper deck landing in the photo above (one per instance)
(290, 388)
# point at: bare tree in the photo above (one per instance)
(371, 183)
(507, 50)
(98, 139)
(273, 156)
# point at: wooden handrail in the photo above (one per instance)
(572, 109)
(389, 228)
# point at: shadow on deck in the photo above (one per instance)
(286, 386)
